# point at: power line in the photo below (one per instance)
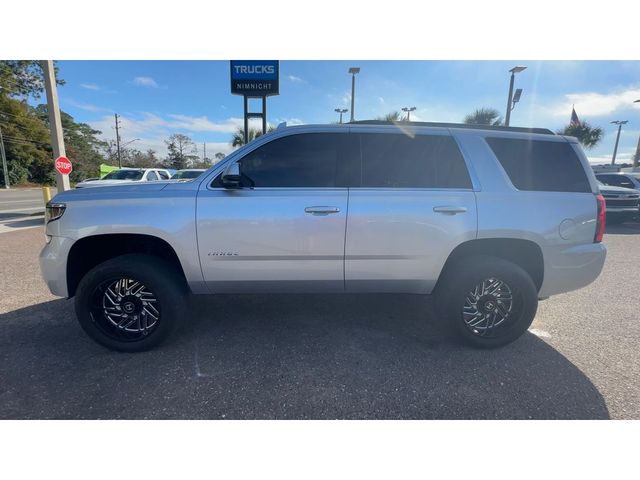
(8, 125)
(18, 139)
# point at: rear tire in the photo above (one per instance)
(486, 301)
(131, 303)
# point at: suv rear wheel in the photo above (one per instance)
(487, 301)
(130, 303)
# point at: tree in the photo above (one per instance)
(27, 143)
(484, 116)
(237, 140)
(23, 78)
(391, 117)
(219, 156)
(182, 151)
(82, 145)
(587, 135)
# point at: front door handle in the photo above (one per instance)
(321, 210)
(449, 210)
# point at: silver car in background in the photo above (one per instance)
(486, 219)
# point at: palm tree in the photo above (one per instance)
(587, 135)
(391, 117)
(238, 137)
(484, 116)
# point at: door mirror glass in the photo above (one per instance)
(231, 176)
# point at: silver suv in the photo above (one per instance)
(488, 220)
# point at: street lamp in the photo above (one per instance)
(130, 141)
(636, 157)
(408, 110)
(615, 149)
(341, 111)
(510, 102)
(353, 71)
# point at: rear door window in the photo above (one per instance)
(539, 165)
(419, 161)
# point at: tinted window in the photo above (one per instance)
(305, 160)
(124, 175)
(424, 161)
(540, 165)
(152, 176)
(163, 175)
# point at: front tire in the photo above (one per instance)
(488, 302)
(130, 303)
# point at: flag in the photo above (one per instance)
(575, 121)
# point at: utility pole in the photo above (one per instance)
(118, 142)
(4, 161)
(204, 151)
(55, 123)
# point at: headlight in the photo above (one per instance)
(54, 211)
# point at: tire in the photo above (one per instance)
(131, 303)
(502, 312)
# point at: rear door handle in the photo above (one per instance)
(449, 209)
(321, 210)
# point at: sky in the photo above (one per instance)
(158, 98)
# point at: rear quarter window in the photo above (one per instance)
(539, 165)
(421, 161)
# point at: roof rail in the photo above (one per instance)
(545, 131)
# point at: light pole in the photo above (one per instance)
(615, 149)
(353, 71)
(341, 111)
(514, 70)
(636, 157)
(408, 110)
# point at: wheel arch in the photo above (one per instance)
(524, 253)
(90, 251)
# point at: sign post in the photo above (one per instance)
(255, 79)
(57, 138)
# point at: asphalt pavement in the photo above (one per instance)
(15, 202)
(323, 357)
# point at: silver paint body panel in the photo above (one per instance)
(373, 239)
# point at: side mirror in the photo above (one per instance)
(231, 176)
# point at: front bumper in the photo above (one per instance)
(53, 264)
(567, 269)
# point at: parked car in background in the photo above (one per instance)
(623, 204)
(127, 175)
(188, 174)
(486, 219)
(620, 179)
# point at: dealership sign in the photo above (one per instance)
(255, 78)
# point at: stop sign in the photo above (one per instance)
(63, 165)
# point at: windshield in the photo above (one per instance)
(124, 175)
(187, 174)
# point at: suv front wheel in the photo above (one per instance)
(487, 301)
(130, 303)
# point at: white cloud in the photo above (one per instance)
(203, 124)
(86, 106)
(381, 100)
(90, 86)
(145, 82)
(294, 79)
(596, 104)
(152, 129)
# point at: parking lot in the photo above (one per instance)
(322, 357)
